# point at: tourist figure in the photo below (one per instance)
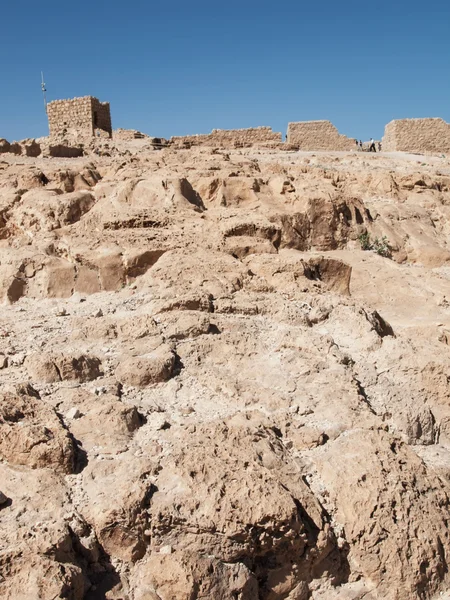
(372, 146)
(379, 146)
(360, 144)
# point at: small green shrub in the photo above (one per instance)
(364, 240)
(380, 246)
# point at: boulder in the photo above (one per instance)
(149, 369)
(54, 367)
(31, 433)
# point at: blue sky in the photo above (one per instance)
(180, 67)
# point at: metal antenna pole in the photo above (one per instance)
(44, 91)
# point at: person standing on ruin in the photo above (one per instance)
(379, 146)
(372, 146)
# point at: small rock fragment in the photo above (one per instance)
(17, 360)
(73, 413)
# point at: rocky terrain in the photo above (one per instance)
(210, 390)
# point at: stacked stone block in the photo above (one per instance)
(229, 138)
(318, 135)
(78, 116)
(5, 146)
(27, 147)
(128, 135)
(417, 136)
(101, 116)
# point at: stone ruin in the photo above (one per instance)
(231, 138)
(25, 147)
(306, 135)
(318, 135)
(417, 136)
(87, 116)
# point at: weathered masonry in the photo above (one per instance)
(85, 115)
(88, 117)
(417, 135)
(229, 138)
(318, 135)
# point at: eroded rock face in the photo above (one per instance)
(31, 433)
(266, 521)
(390, 477)
(48, 210)
(209, 389)
(61, 367)
(145, 370)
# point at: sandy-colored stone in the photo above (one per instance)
(417, 135)
(60, 367)
(155, 367)
(231, 398)
(85, 114)
(318, 135)
(232, 138)
(31, 433)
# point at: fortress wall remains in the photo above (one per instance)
(70, 115)
(417, 136)
(88, 116)
(101, 115)
(318, 135)
(229, 138)
(78, 116)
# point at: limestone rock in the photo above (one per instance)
(61, 367)
(155, 367)
(417, 534)
(31, 433)
(234, 394)
(73, 413)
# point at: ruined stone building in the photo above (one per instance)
(87, 116)
(417, 136)
(318, 135)
(229, 138)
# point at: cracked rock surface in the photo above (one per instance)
(209, 390)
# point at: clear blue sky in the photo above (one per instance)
(179, 67)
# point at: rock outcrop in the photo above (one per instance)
(224, 374)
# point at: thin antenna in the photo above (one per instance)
(44, 91)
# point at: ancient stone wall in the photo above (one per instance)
(231, 138)
(78, 116)
(5, 146)
(417, 135)
(128, 135)
(28, 147)
(101, 115)
(318, 135)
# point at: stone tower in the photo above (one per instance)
(85, 116)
